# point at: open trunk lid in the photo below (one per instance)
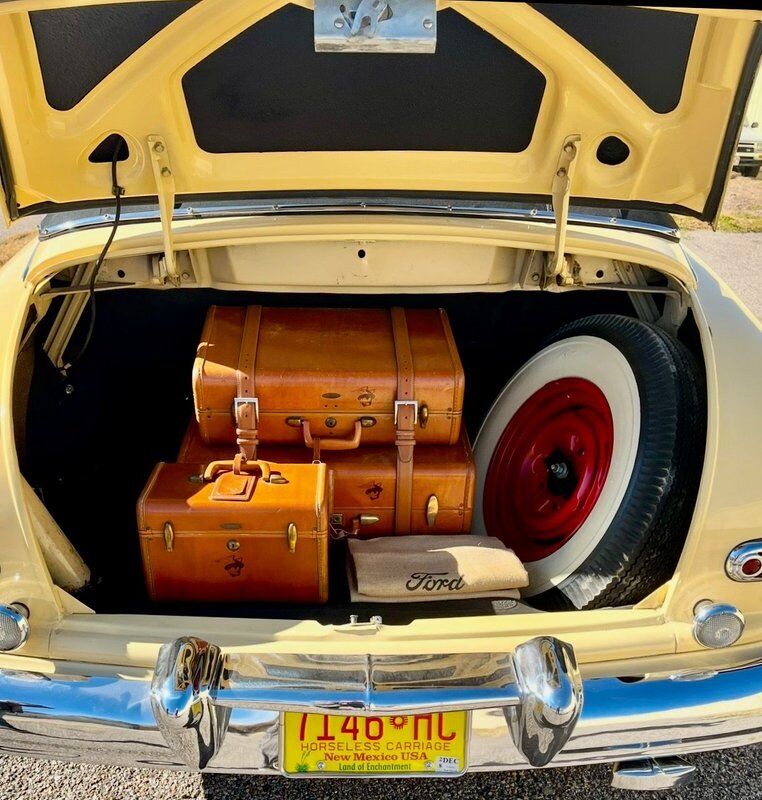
(239, 97)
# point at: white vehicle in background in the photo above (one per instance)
(749, 150)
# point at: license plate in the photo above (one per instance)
(405, 744)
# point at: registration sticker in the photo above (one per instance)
(404, 744)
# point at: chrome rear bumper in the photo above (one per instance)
(537, 687)
(224, 712)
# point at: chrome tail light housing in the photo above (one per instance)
(744, 562)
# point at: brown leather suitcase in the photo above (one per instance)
(331, 379)
(258, 532)
(325, 370)
(364, 483)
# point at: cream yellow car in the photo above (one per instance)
(514, 164)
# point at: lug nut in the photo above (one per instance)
(560, 470)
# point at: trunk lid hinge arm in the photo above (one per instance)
(165, 190)
(558, 269)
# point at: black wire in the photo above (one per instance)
(117, 191)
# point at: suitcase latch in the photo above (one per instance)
(432, 510)
(292, 534)
(169, 537)
(363, 521)
(423, 416)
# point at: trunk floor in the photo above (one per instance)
(140, 359)
(335, 612)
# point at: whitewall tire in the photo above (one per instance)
(572, 457)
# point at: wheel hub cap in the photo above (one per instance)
(549, 467)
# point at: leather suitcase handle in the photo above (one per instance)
(350, 443)
(238, 466)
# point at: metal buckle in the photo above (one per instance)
(413, 403)
(253, 401)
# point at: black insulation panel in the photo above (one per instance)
(267, 90)
(79, 47)
(646, 48)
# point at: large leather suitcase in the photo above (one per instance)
(331, 379)
(258, 532)
(364, 483)
(332, 374)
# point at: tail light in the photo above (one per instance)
(744, 563)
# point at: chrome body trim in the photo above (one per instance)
(108, 718)
(541, 212)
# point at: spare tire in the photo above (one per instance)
(589, 461)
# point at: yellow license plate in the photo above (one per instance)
(405, 744)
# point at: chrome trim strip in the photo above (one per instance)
(108, 718)
(539, 213)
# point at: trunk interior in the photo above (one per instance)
(88, 441)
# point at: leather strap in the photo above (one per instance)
(247, 414)
(405, 422)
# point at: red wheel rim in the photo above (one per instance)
(548, 468)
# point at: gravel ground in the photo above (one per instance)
(19, 234)
(743, 196)
(736, 258)
(741, 208)
(20, 226)
(725, 775)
